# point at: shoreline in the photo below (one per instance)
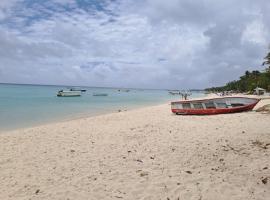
(114, 110)
(39, 105)
(82, 116)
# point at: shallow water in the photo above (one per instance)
(28, 105)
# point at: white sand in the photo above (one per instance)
(147, 153)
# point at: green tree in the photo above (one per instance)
(267, 62)
(249, 81)
(247, 73)
(267, 59)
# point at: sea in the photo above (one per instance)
(23, 106)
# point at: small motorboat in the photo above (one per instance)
(123, 90)
(68, 93)
(100, 94)
(214, 106)
(77, 89)
(174, 92)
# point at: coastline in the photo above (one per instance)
(25, 106)
(144, 153)
(83, 116)
(78, 117)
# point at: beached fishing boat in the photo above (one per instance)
(68, 93)
(214, 106)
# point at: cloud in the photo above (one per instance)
(152, 43)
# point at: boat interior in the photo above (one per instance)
(213, 103)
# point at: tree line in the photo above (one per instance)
(249, 81)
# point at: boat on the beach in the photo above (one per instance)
(100, 94)
(68, 93)
(214, 106)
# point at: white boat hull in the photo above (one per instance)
(69, 94)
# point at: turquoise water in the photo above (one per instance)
(27, 105)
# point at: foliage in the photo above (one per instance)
(249, 81)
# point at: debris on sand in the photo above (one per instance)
(142, 174)
(261, 144)
(264, 181)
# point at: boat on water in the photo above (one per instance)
(123, 90)
(214, 106)
(77, 89)
(174, 92)
(100, 94)
(68, 93)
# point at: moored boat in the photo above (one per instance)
(214, 106)
(68, 93)
(77, 89)
(174, 92)
(100, 94)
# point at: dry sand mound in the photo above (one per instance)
(264, 109)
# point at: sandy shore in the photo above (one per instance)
(147, 153)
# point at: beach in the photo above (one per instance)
(146, 153)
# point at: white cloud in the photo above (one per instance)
(5, 7)
(159, 44)
(255, 32)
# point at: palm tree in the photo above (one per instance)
(247, 73)
(267, 62)
(267, 70)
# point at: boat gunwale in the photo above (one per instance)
(202, 100)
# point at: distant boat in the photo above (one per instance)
(214, 106)
(123, 90)
(77, 89)
(174, 92)
(100, 94)
(68, 93)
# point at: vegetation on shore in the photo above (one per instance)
(249, 81)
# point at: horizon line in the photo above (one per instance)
(39, 84)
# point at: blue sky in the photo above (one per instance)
(128, 43)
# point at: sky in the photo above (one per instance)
(173, 44)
